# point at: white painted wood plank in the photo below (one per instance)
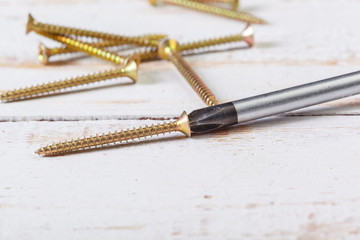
(287, 178)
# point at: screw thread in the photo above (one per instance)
(107, 139)
(211, 42)
(234, 3)
(147, 40)
(87, 48)
(193, 79)
(237, 15)
(46, 53)
(52, 87)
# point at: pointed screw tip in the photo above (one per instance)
(39, 152)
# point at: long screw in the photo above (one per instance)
(233, 3)
(46, 53)
(89, 49)
(130, 70)
(247, 35)
(169, 50)
(81, 144)
(237, 15)
(147, 40)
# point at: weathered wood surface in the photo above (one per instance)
(289, 177)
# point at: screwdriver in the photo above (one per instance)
(219, 116)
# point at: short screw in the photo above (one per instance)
(33, 25)
(237, 15)
(82, 144)
(130, 70)
(89, 49)
(169, 50)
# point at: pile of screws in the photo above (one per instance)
(157, 46)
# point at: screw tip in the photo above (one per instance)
(39, 152)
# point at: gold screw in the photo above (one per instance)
(246, 35)
(234, 3)
(169, 50)
(33, 25)
(81, 144)
(130, 70)
(89, 49)
(241, 16)
(46, 53)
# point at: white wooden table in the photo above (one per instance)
(294, 176)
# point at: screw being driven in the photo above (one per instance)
(169, 50)
(81, 144)
(227, 114)
(147, 40)
(130, 71)
(237, 15)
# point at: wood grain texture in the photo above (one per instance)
(293, 176)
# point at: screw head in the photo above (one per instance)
(248, 35)
(183, 124)
(43, 54)
(30, 24)
(131, 69)
(166, 47)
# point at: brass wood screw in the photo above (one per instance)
(81, 144)
(246, 35)
(89, 49)
(237, 15)
(130, 70)
(46, 53)
(233, 3)
(169, 50)
(147, 40)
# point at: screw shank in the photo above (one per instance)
(193, 79)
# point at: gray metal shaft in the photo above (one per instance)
(297, 97)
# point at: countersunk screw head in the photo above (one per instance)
(30, 26)
(248, 35)
(131, 68)
(44, 53)
(166, 47)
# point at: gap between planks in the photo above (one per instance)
(151, 117)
